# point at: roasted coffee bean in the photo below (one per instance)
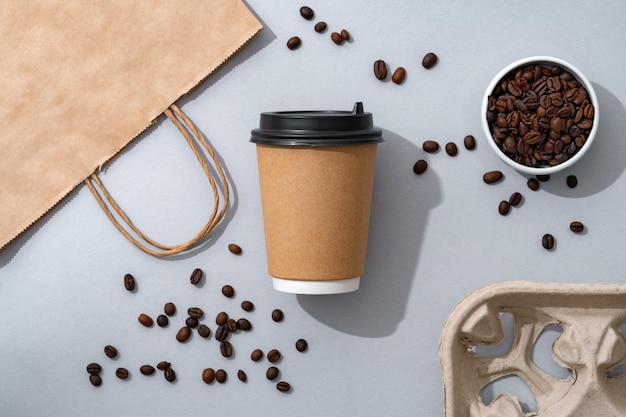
(221, 376)
(196, 276)
(95, 380)
(221, 333)
(504, 207)
(163, 365)
(380, 69)
(191, 322)
(169, 375)
(307, 12)
(110, 351)
(533, 184)
(256, 355)
(398, 75)
(430, 146)
(242, 375)
(320, 27)
(183, 334)
(272, 373)
(247, 305)
(547, 241)
(492, 177)
(515, 199)
(94, 368)
(169, 309)
(273, 355)
(283, 386)
(294, 43)
(429, 60)
(195, 312)
(129, 282)
(145, 320)
(576, 227)
(234, 249)
(221, 318)
(345, 35)
(228, 291)
(543, 177)
(226, 348)
(420, 167)
(277, 315)
(208, 375)
(451, 149)
(244, 324)
(146, 369)
(301, 345)
(204, 330)
(336, 37)
(231, 324)
(572, 181)
(162, 320)
(121, 373)
(470, 142)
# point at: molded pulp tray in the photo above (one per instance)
(590, 346)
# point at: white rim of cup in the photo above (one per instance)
(540, 60)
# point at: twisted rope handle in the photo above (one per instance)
(143, 242)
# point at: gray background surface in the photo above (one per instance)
(433, 239)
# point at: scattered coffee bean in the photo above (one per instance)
(244, 324)
(204, 330)
(163, 365)
(121, 373)
(533, 184)
(221, 376)
(576, 227)
(170, 375)
(234, 249)
(162, 320)
(272, 373)
(451, 149)
(191, 322)
(420, 167)
(145, 320)
(572, 181)
(429, 60)
(226, 348)
(492, 177)
(277, 315)
(242, 375)
(398, 75)
(256, 355)
(543, 177)
(110, 351)
(169, 309)
(294, 43)
(301, 345)
(95, 380)
(221, 318)
(470, 142)
(195, 312)
(129, 282)
(231, 324)
(547, 241)
(380, 69)
(273, 355)
(430, 146)
(307, 12)
(94, 368)
(146, 369)
(345, 35)
(228, 291)
(515, 199)
(208, 375)
(221, 333)
(247, 305)
(196, 276)
(504, 207)
(183, 334)
(283, 386)
(336, 37)
(320, 27)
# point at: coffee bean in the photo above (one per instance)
(430, 146)
(208, 375)
(429, 60)
(234, 249)
(283, 386)
(221, 376)
(226, 348)
(221, 333)
(420, 167)
(273, 355)
(221, 318)
(470, 142)
(272, 373)
(515, 199)
(94, 368)
(576, 227)
(183, 334)
(398, 75)
(145, 320)
(336, 37)
(228, 291)
(231, 324)
(277, 315)
(242, 375)
(543, 177)
(121, 373)
(110, 351)
(247, 305)
(307, 12)
(95, 380)
(256, 355)
(169, 309)
(547, 241)
(380, 69)
(451, 149)
(301, 345)
(146, 369)
(293, 43)
(196, 276)
(195, 312)
(572, 181)
(191, 322)
(162, 320)
(129, 282)
(163, 365)
(345, 35)
(244, 324)
(504, 207)
(170, 375)
(492, 177)
(533, 184)
(204, 330)
(320, 27)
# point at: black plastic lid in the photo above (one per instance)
(317, 128)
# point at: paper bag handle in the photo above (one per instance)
(143, 242)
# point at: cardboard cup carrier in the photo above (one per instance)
(316, 172)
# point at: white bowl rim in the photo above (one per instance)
(540, 59)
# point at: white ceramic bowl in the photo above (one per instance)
(546, 61)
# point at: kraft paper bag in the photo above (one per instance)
(81, 79)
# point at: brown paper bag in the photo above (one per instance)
(79, 80)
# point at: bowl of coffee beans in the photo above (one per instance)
(540, 115)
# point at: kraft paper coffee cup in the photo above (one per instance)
(316, 172)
